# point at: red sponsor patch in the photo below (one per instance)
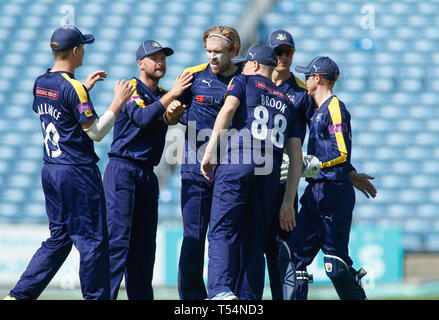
(47, 93)
(260, 85)
(272, 91)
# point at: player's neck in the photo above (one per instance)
(279, 77)
(229, 71)
(152, 84)
(321, 95)
(63, 65)
(264, 73)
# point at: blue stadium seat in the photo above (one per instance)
(432, 242)
(413, 242)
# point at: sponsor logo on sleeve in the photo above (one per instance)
(338, 127)
(86, 108)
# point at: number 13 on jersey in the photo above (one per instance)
(51, 138)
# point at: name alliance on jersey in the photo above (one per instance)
(45, 108)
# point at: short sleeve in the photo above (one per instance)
(76, 95)
(236, 87)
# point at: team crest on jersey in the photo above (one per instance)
(319, 117)
(292, 98)
(328, 267)
(281, 36)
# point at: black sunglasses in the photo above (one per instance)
(280, 51)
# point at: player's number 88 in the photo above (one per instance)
(51, 135)
(259, 128)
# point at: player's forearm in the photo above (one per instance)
(294, 151)
(170, 120)
(115, 106)
(147, 115)
(222, 122)
(101, 126)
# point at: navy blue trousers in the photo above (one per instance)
(132, 192)
(324, 222)
(276, 236)
(75, 207)
(196, 200)
(241, 216)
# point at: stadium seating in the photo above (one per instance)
(389, 81)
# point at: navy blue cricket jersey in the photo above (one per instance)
(305, 105)
(139, 132)
(266, 113)
(204, 100)
(330, 140)
(63, 105)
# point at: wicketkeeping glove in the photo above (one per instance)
(310, 166)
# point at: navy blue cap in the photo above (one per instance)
(149, 47)
(280, 37)
(323, 66)
(260, 53)
(68, 37)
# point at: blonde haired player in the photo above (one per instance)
(204, 100)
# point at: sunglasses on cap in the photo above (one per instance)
(280, 51)
(308, 75)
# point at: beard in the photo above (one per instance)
(155, 75)
(221, 67)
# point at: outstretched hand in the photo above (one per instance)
(361, 181)
(181, 83)
(93, 78)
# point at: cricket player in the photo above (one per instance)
(262, 123)
(204, 99)
(284, 46)
(325, 217)
(75, 203)
(131, 186)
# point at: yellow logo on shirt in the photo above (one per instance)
(88, 113)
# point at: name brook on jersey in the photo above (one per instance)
(271, 102)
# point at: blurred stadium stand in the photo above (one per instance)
(389, 81)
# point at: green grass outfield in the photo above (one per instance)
(390, 291)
